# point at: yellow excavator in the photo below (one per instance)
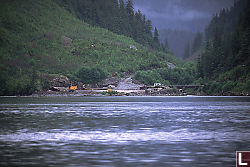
(72, 88)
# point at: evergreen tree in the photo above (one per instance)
(131, 21)
(130, 9)
(114, 16)
(149, 27)
(206, 61)
(228, 38)
(199, 67)
(124, 20)
(156, 38)
(138, 31)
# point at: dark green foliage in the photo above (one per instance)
(227, 40)
(175, 90)
(174, 76)
(45, 84)
(18, 86)
(247, 85)
(90, 75)
(156, 38)
(213, 88)
(229, 85)
(119, 18)
(227, 56)
(232, 82)
(200, 71)
(147, 77)
(130, 9)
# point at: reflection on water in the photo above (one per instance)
(125, 131)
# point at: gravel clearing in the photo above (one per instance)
(127, 84)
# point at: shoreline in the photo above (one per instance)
(127, 92)
(118, 96)
(119, 93)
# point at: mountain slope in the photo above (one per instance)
(38, 37)
(226, 59)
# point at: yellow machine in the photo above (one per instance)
(110, 90)
(72, 88)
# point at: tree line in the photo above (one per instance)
(227, 42)
(225, 63)
(196, 46)
(116, 16)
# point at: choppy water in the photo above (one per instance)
(123, 131)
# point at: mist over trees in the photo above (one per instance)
(116, 16)
(197, 42)
(225, 62)
(227, 40)
(165, 45)
(186, 51)
(182, 43)
(177, 40)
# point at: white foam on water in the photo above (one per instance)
(126, 136)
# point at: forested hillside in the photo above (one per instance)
(226, 60)
(47, 38)
(117, 16)
(41, 37)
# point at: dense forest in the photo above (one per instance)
(116, 16)
(225, 62)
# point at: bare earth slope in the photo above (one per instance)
(127, 84)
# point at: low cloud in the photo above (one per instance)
(181, 14)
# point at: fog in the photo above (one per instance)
(188, 15)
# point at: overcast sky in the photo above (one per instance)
(181, 14)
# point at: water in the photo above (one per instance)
(123, 131)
